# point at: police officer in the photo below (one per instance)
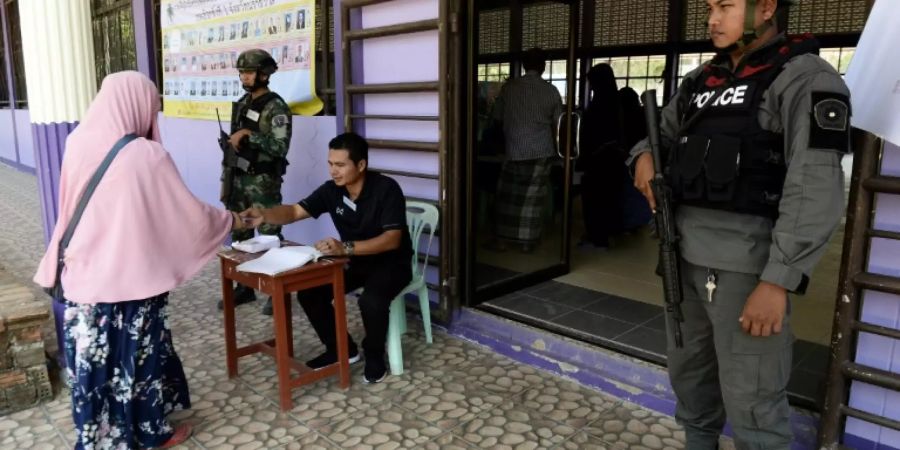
(261, 134)
(755, 139)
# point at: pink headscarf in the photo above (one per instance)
(143, 232)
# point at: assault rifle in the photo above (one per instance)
(664, 217)
(230, 161)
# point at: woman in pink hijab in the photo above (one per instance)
(141, 235)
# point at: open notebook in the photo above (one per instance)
(278, 260)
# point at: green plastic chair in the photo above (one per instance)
(419, 216)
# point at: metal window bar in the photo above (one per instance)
(407, 174)
(392, 117)
(4, 82)
(393, 30)
(445, 25)
(854, 279)
(387, 144)
(327, 54)
(114, 43)
(392, 88)
(16, 56)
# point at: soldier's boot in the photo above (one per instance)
(242, 295)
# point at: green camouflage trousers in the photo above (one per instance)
(258, 191)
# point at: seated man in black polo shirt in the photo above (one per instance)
(369, 212)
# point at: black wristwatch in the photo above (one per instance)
(348, 248)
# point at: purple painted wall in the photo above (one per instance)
(880, 309)
(16, 140)
(405, 58)
(7, 138)
(142, 12)
(49, 140)
(25, 139)
(49, 144)
(394, 59)
(192, 144)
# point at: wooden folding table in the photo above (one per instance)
(324, 272)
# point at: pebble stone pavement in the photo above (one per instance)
(453, 394)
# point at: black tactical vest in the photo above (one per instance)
(246, 115)
(723, 159)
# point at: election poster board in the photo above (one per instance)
(201, 40)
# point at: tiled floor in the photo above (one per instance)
(637, 328)
(627, 270)
(453, 394)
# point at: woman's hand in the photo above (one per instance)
(236, 222)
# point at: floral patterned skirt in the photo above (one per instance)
(124, 373)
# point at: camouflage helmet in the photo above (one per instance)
(257, 59)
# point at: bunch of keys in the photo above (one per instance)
(710, 285)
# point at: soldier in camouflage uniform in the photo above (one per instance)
(260, 134)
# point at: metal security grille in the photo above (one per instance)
(319, 30)
(157, 38)
(827, 16)
(695, 21)
(4, 90)
(545, 26)
(493, 31)
(807, 16)
(325, 59)
(493, 72)
(838, 57)
(627, 22)
(862, 233)
(114, 46)
(555, 73)
(445, 89)
(638, 72)
(18, 59)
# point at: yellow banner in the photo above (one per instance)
(203, 38)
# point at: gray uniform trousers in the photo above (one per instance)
(723, 371)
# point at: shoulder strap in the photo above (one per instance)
(260, 102)
(82, 202)
(91, 187)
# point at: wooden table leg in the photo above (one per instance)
(289, 323)
(340, 322)
(282, 344)
(228, 313)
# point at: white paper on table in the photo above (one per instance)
(874, 74)
(278, 260)
(257, 244)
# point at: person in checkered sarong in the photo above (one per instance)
(528, 108)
